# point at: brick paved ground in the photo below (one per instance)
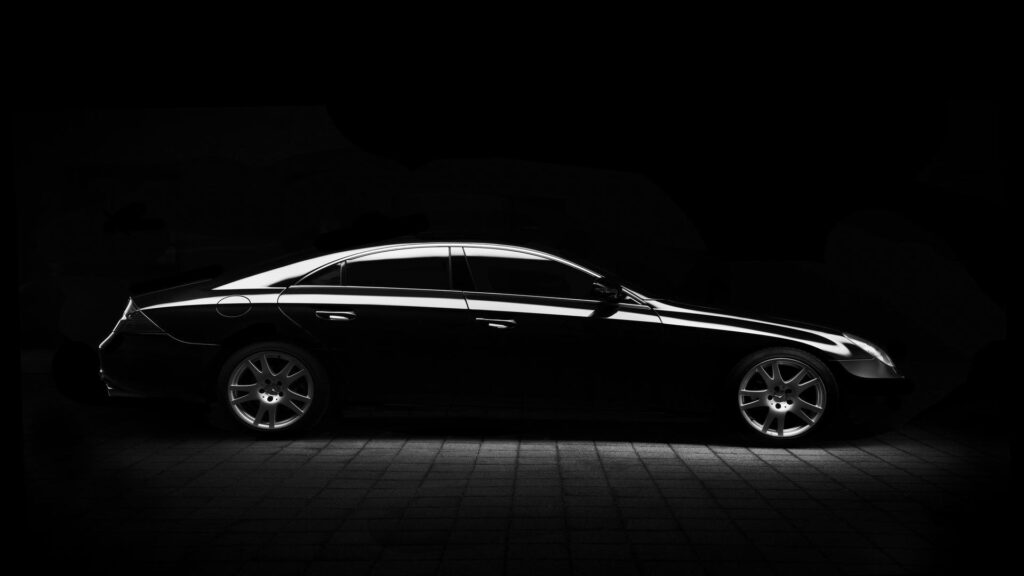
(144, 485)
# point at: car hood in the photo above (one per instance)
(746, 316)
(824, 338)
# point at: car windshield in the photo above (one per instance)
(606, 271)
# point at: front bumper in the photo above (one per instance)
(869, 377)
(155, 365)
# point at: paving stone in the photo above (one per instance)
(370, 500)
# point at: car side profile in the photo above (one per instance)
(466, 319)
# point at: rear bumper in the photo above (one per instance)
(155, 365)
(871, 378)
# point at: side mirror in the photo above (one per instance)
(608, 290)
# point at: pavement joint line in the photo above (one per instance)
(871, 500)
(861, 501)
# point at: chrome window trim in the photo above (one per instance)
(644, 306)
(339, 257)
(440, 301)
(531, 252)
(313, 273)
(639, 300)
(356, 288)
(370, 252)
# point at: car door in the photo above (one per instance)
(541, 334)
(389, 320)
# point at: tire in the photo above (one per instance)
(273, 389)
(782, 397)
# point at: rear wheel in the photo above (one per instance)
(273, 388)
(783, 396)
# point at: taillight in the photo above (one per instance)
(133, 321)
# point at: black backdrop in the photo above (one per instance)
(884, 215)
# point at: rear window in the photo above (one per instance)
(425, 268)
(330, 276)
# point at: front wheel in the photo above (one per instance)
(273, 388)
(783, 395)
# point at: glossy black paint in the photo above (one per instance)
(462, 343)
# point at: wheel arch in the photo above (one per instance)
(727, 359)
(252, 334)
(833, 405)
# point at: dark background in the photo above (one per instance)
(883, 215)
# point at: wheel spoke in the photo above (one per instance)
(771, 417)
(800, 414)
(752, 404)
(804, 385)
(764, 375)
(293, 377)
(256, 369)
(272, 415)
(781, 419)
(259, 414)
(295, 407)
(796, 379)
(801, 404)
(292, 395)
(241, 387)
(245, 398)
(287, 368)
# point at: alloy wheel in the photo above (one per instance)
(270, 390)
(782, 398)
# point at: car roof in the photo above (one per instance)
(274, 277)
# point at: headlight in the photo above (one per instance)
(871, 349)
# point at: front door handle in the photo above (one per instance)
(499, 323)
(336, 315)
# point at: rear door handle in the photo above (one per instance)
(336, 315)
(499, 323)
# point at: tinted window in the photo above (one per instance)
(508, 272)
(405, 268)
(330, 276)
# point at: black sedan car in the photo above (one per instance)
(460, 319)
